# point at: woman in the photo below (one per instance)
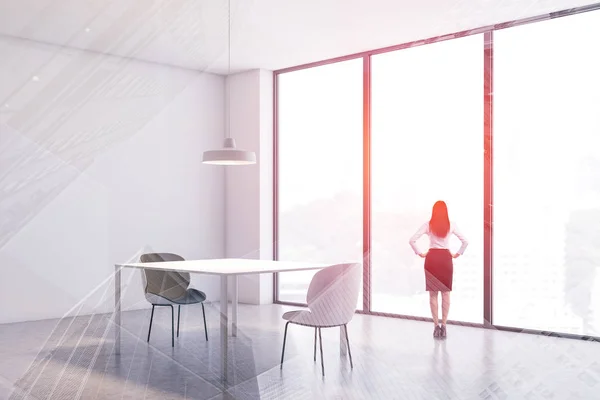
(438, 261)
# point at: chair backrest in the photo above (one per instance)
(333, 293)
(167, 284)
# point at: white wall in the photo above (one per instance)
(100, 160)
(249, 189)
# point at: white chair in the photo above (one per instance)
(331, 299)
(166, 289)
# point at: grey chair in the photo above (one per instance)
(332, 296)
(169, 288)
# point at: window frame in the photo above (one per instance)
(488, 154)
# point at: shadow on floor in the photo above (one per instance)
(82, 363)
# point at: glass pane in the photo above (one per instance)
(547, 175)
(427, 145)
(320, 170)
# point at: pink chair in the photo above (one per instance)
(331, 299)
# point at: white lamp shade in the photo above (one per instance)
(229, 155)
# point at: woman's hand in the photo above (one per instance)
(455, 255)
(422, 255)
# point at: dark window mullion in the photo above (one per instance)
(367, 183)
(488, 178)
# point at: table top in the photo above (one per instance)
(227, 266)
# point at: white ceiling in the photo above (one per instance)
(271, 34)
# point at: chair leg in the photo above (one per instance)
(178, 315)
(172, 327)
(348, 344)
(321, 347)
(204, 317)
(315, 351)
(283, 349)
(150, 327)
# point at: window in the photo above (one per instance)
(320, 170)
(547, 175)
(427, 145)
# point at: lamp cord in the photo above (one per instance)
(228, 84)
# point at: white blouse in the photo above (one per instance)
(436, 242)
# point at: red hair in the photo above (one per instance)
(439, 224)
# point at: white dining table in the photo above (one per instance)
(227, 269)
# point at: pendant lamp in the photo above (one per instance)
(229, 154)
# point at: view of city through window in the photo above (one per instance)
(427, 145)
(320, 170)
(427, 119)
(547, 175)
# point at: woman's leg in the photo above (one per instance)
(433, 303)
(445, 307)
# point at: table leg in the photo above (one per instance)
(117, 317)
(343, 343)
(234, 305)
(224, 326)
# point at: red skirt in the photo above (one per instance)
(438, 270)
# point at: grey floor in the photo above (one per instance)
(393, 359)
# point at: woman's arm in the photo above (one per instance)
(413, 240)
(463, 241)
